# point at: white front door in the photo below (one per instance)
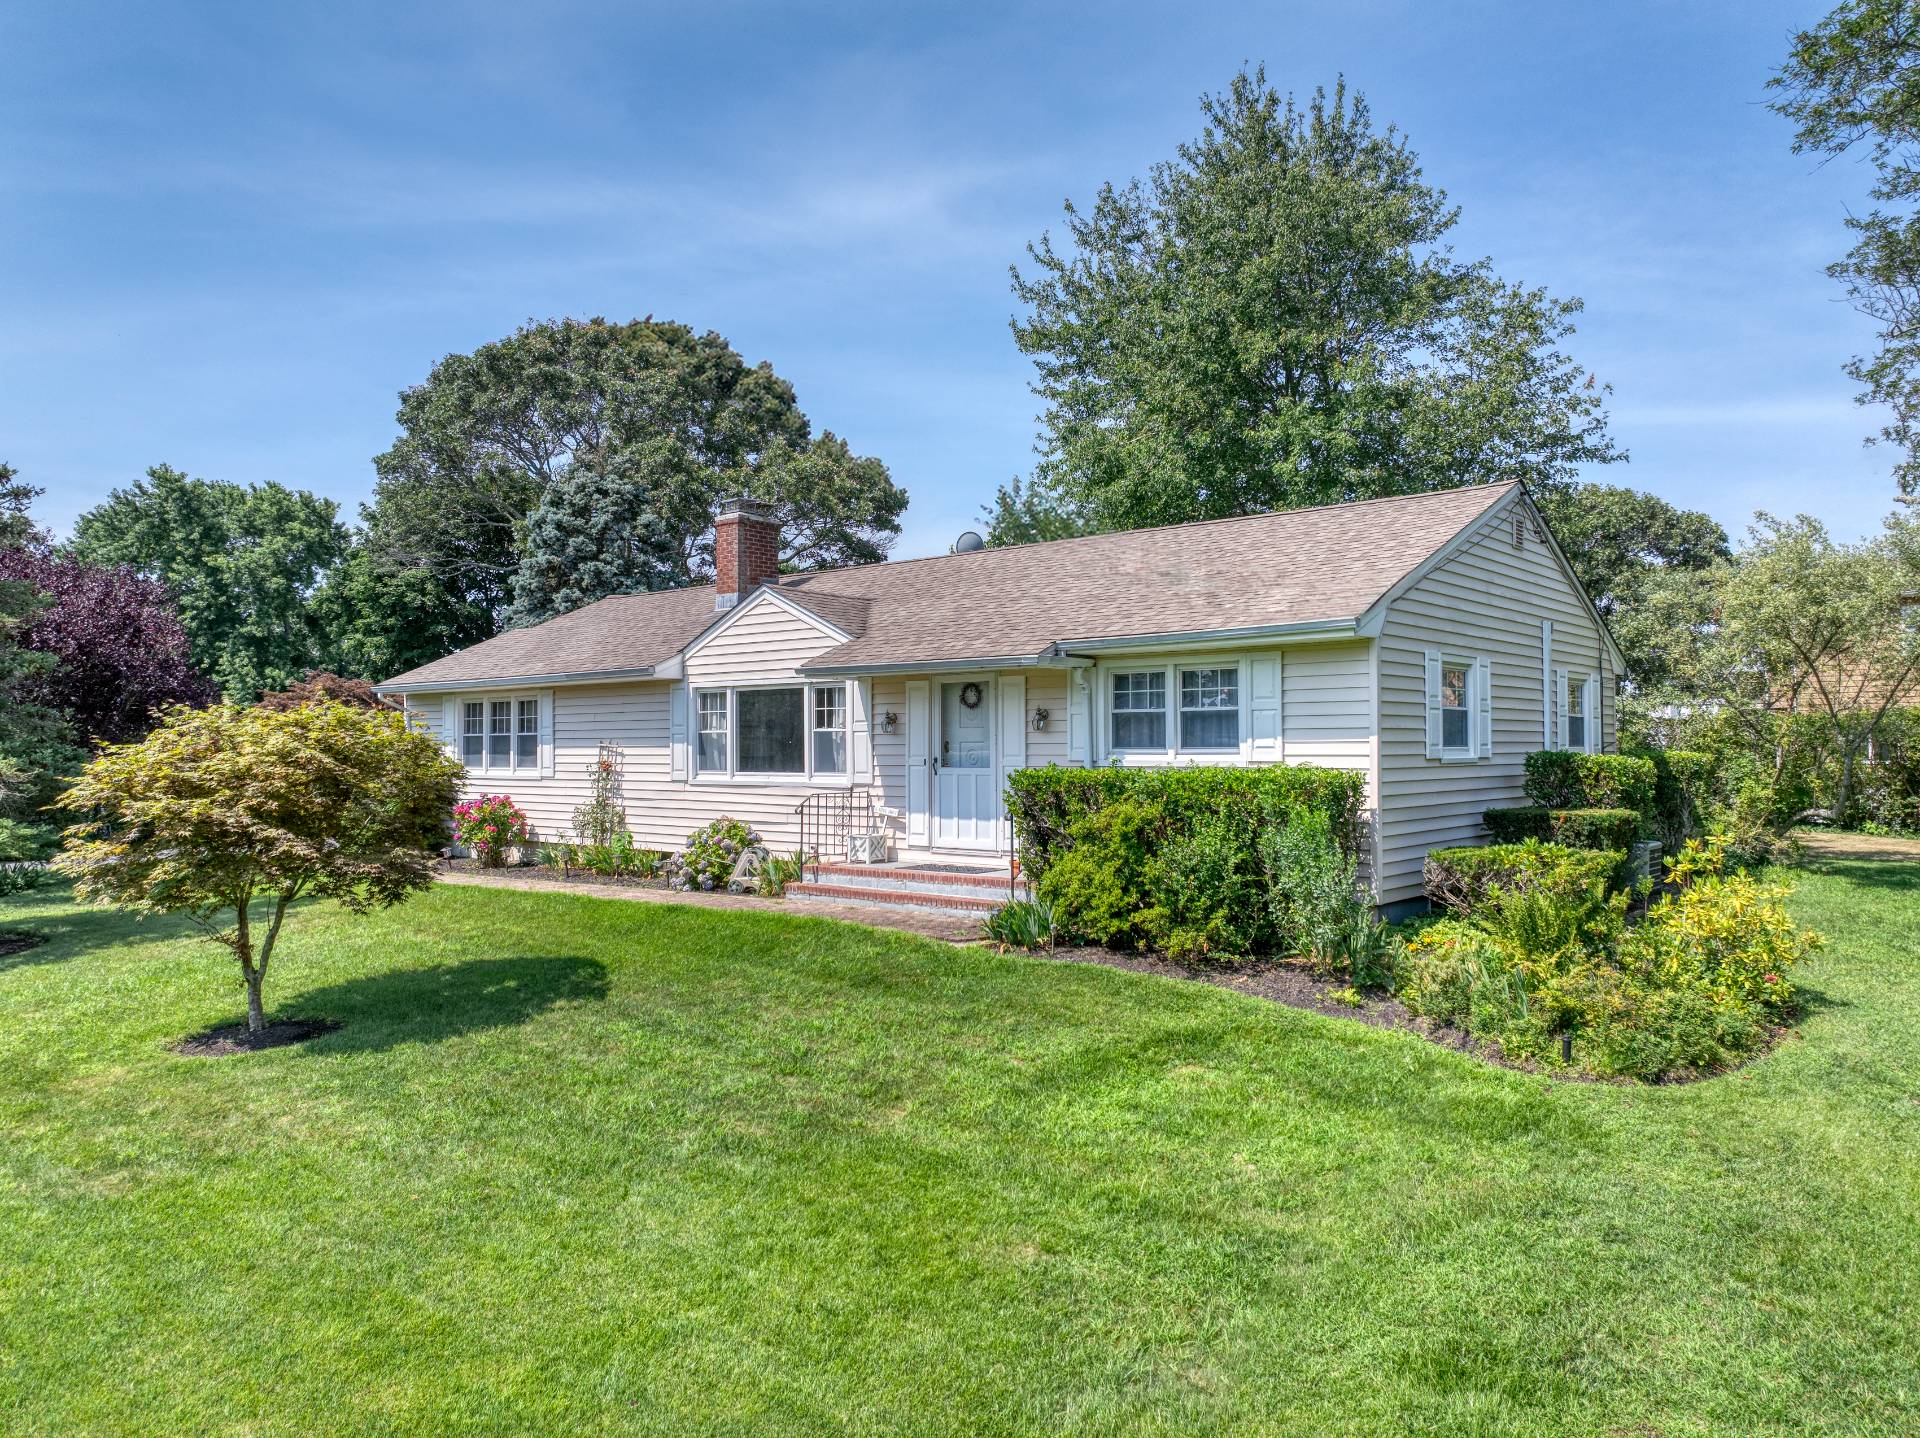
(966, 794)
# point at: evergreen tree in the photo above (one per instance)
(599, 531)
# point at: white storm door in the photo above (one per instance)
(966, 789)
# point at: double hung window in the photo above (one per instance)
(501, 735)
(1171, 708)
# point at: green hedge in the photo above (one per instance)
(1557, 779)
(1682, 786)
(1575, 828)
(1194, 862)
(1461, 879)
(1045, 803)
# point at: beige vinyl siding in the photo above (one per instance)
(1486, 600)
(767, 642)
(1326, 709)
(764, 645)
(660, 811)
(634, 716)
(1325, 706)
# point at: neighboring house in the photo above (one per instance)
(1429, 642)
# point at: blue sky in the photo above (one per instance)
(231, 234)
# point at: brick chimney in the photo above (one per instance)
(746, 549)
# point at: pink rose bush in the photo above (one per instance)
(488, 826)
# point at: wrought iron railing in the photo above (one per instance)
(828, 819)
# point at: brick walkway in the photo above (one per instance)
(951, 927)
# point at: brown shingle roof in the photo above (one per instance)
(845, 612)
(1293, 567)
(627, 631)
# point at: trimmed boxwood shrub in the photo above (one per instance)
(1576, 828)
(1682, 783)
(1191, 861)
(1045, 803)
(1461, 879)
(1557, 779)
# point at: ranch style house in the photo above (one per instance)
(1429, 642)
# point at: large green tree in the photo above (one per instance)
(1850, 83)
(243, 562)
(490, 435)
(1615, 536)
(377, 619)
(1273, 319)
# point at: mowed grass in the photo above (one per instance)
(590, 1167)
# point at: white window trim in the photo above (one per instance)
(486, 699)
(1460, 753)
(1587, 687)
(1478, 747)
(731, 775)
(1169, 668)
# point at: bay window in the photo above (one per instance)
(789, 731)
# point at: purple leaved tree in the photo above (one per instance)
(120, 649)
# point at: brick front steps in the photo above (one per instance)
(975, 892)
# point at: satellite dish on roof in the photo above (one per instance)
(968, 543)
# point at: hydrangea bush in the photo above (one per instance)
(488, 826)
(706, 863)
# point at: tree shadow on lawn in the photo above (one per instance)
(425, 1005)
(1867, 873)
(74, 931)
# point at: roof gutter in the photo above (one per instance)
(669, 670)
(934, 666)
(1311, 629)
(1075, 652)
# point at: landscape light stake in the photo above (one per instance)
(1566, 1048)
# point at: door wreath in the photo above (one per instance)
(970, 696)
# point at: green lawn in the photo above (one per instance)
(578, 1166)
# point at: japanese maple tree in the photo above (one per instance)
(220, 810)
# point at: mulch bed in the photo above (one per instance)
(1296, 987)
(18, 941)
(231, 1039)
(586, 878)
